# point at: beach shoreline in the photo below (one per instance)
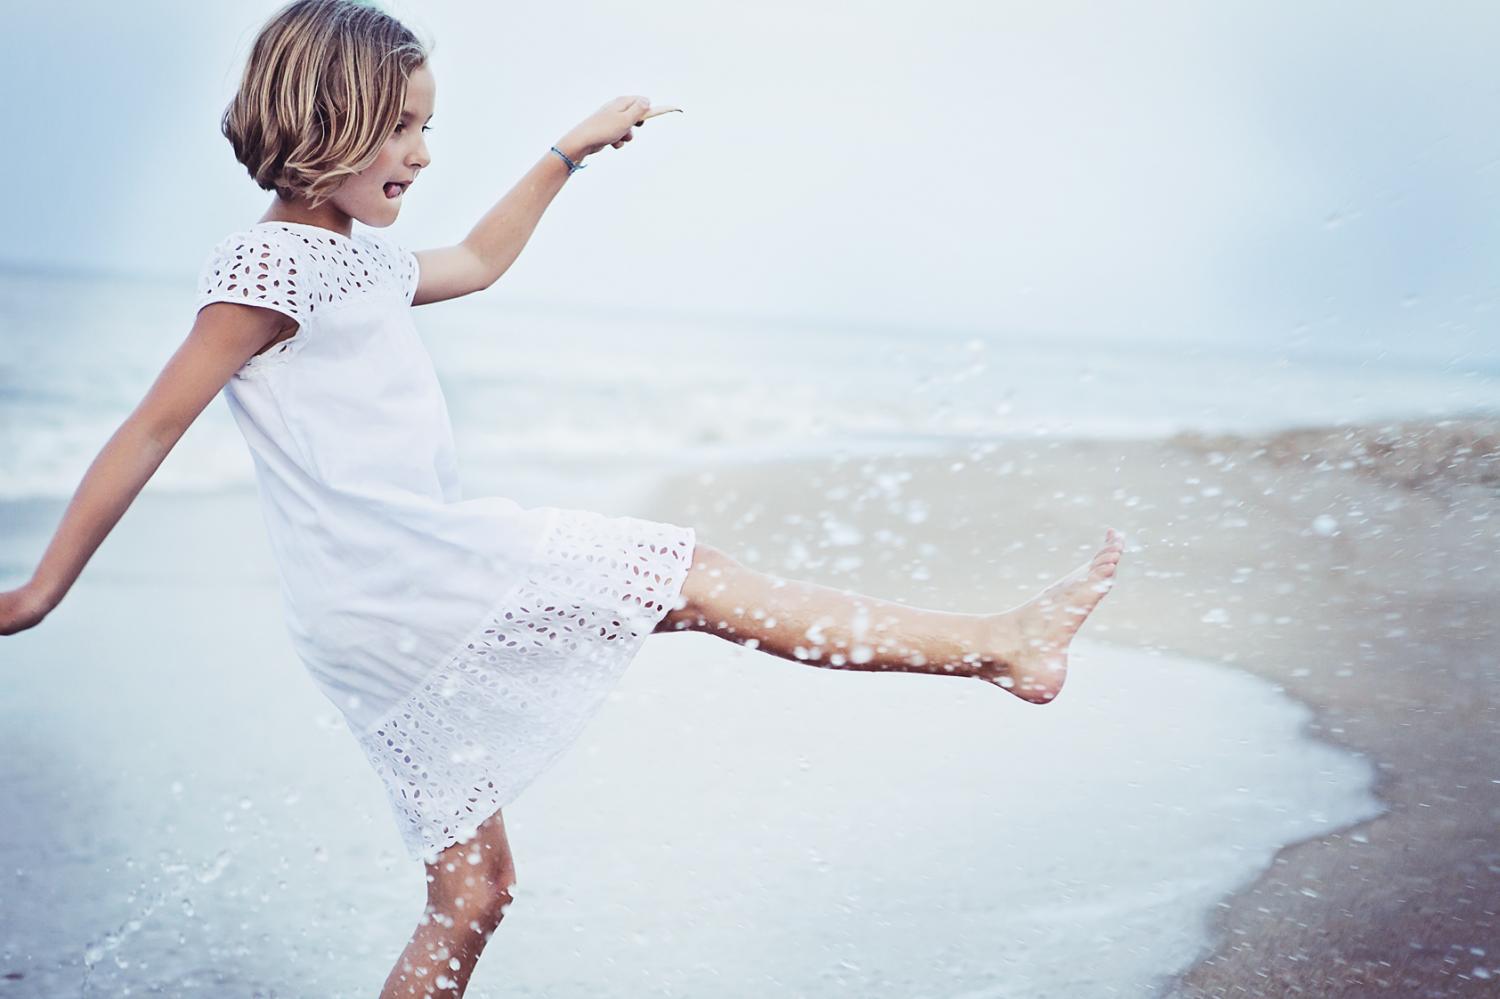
(1351, 566)
(1349, 569)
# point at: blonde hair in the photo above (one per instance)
(323, 88)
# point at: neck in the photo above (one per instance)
(325, 216)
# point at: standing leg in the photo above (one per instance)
(468, 891)
(1023, 650)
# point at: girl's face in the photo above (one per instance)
(367, 195)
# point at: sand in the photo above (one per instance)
(731, 825)
(1355, 567)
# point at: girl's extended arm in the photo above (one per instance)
(497, 240)
(223, 337)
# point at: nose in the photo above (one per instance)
(421, 158)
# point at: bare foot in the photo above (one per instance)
(1027, 647)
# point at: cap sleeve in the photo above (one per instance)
(256, 268)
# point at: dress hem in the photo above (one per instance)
(518, 692)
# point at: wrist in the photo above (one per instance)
(571, 148)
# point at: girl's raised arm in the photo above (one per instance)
(497, 239)
(224, 336)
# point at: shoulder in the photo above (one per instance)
(259, 265)
(258, 247)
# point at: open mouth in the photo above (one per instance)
(395, 189)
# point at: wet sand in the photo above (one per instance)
(1354, 567)
(731, 825)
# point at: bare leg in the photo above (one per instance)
(468, 891)
(1023, 650)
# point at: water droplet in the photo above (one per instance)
(214, 870)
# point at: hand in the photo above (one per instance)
(21, 609)
(609, 126)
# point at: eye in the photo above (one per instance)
(426, 128)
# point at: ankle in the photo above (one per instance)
(997, 644)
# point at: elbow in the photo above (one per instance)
(482, 271)
(159, 436)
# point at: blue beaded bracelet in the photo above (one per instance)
(571, 165)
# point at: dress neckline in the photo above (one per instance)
(314, 228)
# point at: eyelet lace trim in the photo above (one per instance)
(301, 271)
(519, 690)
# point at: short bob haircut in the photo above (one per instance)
(322, 90)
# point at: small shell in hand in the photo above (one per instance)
(654, 112)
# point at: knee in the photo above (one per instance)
(709, 565)
(477, 897)
(706, 578)
(494, 899)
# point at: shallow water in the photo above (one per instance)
(186, 815)
(542, 396)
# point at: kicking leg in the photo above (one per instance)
(1023, 650)
(468, 891)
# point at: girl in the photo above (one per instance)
(465, 641)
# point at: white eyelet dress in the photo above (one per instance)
(466, 642)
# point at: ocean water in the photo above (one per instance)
(543, 396)
(187, 816)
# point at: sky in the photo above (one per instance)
(1252, 172)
